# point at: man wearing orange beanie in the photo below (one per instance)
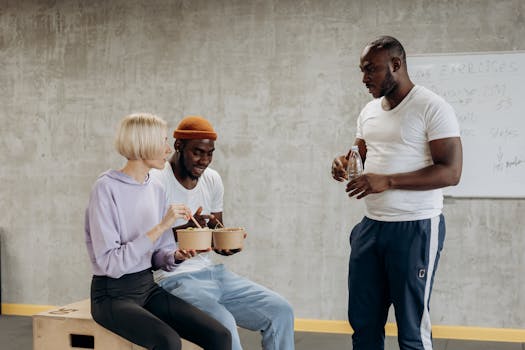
(229, 298)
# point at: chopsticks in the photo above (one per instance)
(195, 222)
(199, 226)
(218, 222)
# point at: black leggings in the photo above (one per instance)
(136, 308)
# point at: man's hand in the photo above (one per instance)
(227, 252)
(201, 219)
(365, 184)
(339, 165)
(183, 254)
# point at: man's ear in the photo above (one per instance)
(396, 64)
(178, 145)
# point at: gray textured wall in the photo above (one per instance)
(280, 81)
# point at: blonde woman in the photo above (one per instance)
(128, 234)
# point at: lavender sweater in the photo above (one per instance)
(120, 213)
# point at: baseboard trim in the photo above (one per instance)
(438, 331)
(342, 327)
(24, 309)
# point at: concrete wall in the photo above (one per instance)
(280, 81)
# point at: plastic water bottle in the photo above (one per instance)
(355, 164)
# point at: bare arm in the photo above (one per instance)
(447, 156)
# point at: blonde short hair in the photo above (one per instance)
(140, 136)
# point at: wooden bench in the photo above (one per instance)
(72, 327)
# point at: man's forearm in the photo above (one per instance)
(428, 178)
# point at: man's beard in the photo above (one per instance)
(185, 171)
(388, 85)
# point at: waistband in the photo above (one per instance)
(130, 285)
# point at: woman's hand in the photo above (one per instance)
(182, 254)
(175, 212)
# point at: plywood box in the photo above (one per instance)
(72, 327)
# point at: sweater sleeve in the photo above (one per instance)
(112, 257)
(164, 255)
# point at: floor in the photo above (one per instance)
(16, 334)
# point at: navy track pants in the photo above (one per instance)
(393, 263)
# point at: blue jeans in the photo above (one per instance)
(236, 301)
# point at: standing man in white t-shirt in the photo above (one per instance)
(409, 140)
(231, 299)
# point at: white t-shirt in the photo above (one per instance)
(208, 194)
(397, 141)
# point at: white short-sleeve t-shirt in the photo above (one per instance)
(208, 194)
(397, 141)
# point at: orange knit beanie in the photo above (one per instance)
(194, 127)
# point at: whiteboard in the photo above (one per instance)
(487, 90)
